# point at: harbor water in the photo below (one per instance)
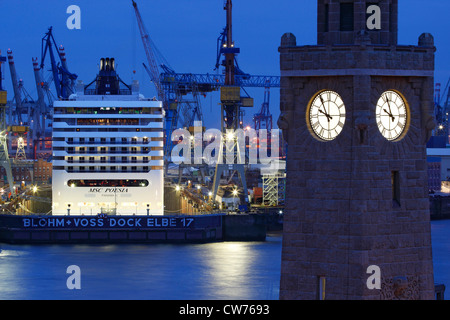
(212, 271)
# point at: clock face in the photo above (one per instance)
(326, 115)
(392, 115)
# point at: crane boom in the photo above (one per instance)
(153, 67)
(62, 78)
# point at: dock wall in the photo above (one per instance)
(130, 229)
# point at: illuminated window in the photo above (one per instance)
(107, 183)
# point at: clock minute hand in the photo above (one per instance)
(390, 111)
(325, 111)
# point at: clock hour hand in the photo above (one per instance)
(327, 115)
(390, 115)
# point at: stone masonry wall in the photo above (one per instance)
(340, 217)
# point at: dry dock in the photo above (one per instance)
(131, 229)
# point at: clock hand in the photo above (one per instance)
(327, 115)
(325, 111)
(390, 111)
(390, 115)
(387, 100)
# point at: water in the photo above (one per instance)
(440, 237)
(225, 270)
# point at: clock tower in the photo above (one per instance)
(357, 112)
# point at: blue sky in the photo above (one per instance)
(185, 31)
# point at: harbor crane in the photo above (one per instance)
(4, 155)
(172, 88)
(18, 125)
(63, 79)
(263, 119)
(177, 108)
(442, 107)
(231, 104)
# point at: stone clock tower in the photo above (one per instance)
(357, 111)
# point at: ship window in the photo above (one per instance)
(108, 183)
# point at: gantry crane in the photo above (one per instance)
(63, 79)
(442, 109)
(154, 73)
(231, 104)
(18, 126)
(263, 119)
(4, 155)
(178, 109)
(172, 87)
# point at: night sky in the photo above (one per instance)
(185, 31)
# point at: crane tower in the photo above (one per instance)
(231, 103)
(4, 156)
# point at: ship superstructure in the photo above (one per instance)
(108, 149)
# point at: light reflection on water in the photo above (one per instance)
(224, 270)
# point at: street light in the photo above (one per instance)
(230, 135)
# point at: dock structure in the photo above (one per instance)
(39, 229)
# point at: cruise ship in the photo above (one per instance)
(107, 149)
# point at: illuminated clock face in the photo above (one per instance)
(392, 115)
(326, 115)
